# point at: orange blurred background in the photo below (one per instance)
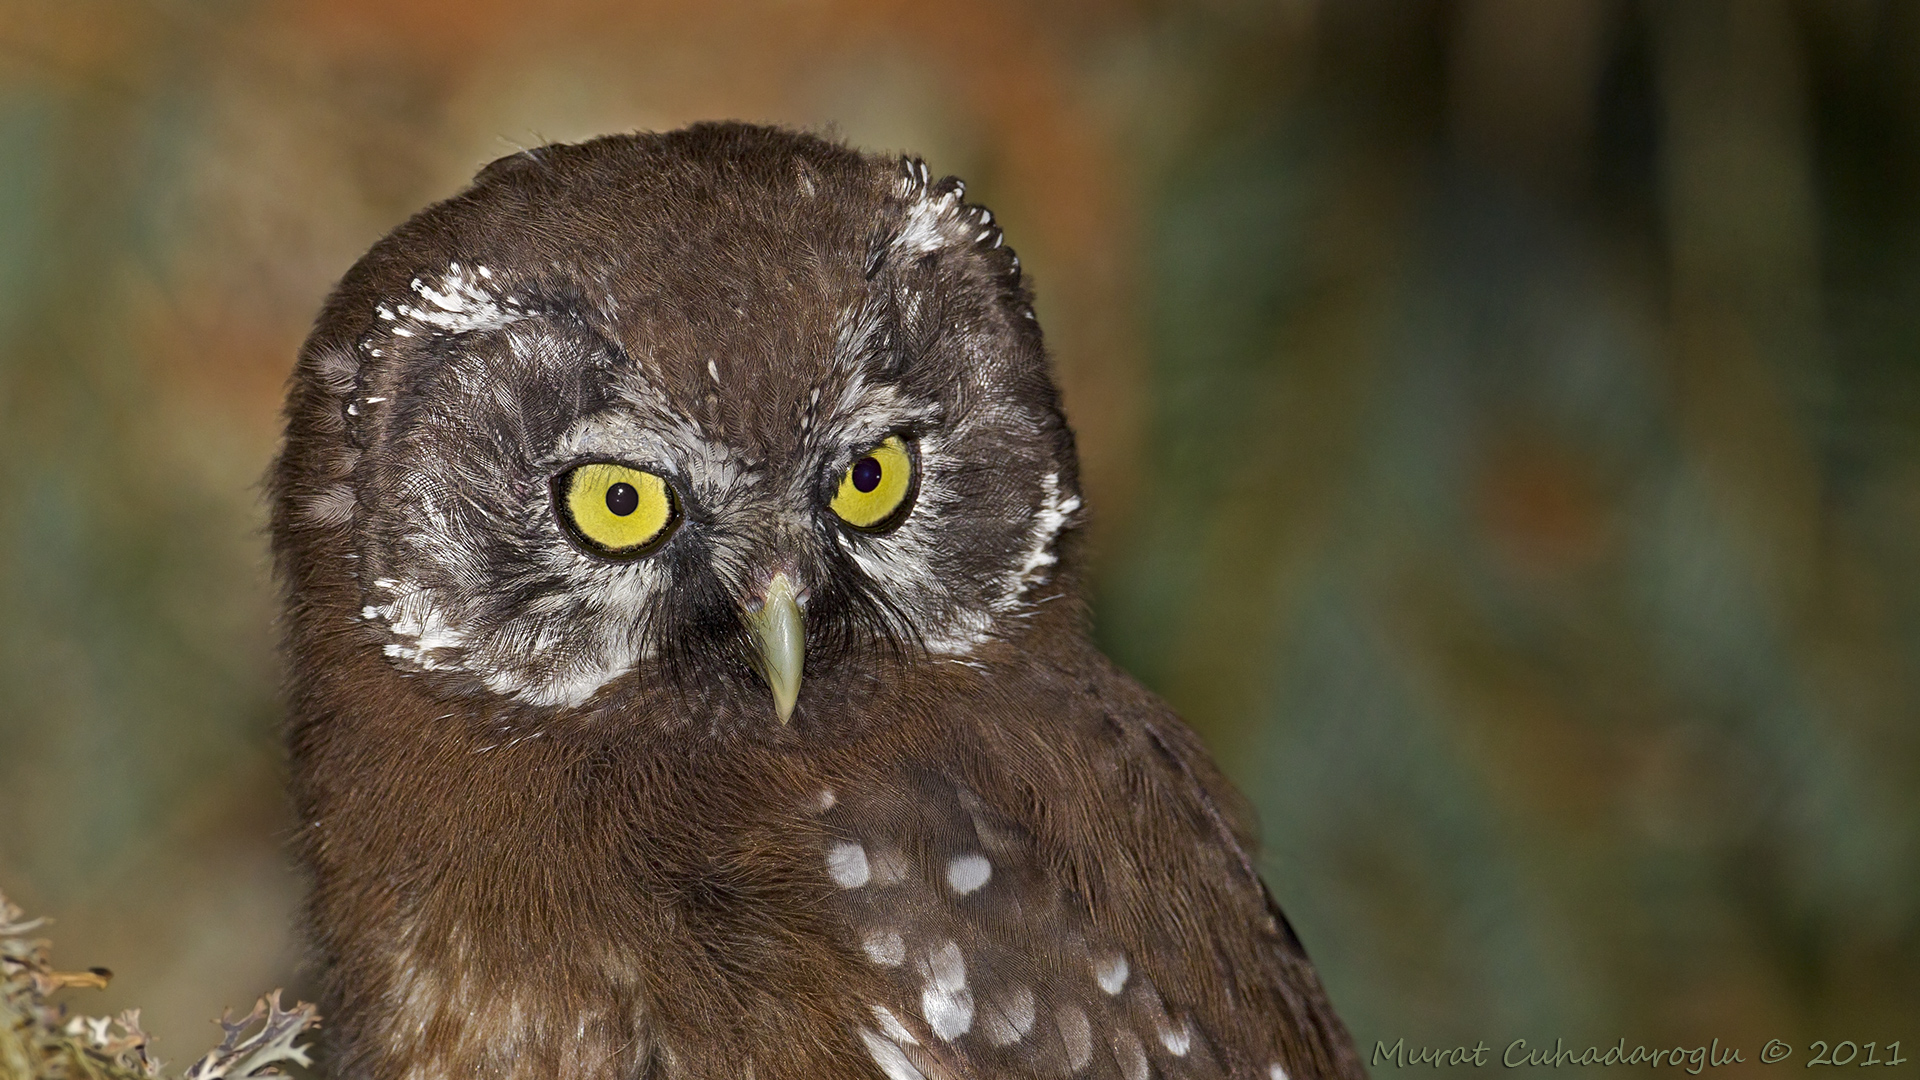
(1501, 420)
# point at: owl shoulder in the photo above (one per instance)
(1112, 708)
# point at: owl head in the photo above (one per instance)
(731, 412)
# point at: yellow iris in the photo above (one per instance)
(616, 510)
(876, 486)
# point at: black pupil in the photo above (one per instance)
(622, 499)
(866, 474)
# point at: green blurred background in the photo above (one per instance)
(1501, 421)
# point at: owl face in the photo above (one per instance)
(705, 419)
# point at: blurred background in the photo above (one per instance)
(1501, 421)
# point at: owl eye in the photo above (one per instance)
(877, 489)
(615, 510)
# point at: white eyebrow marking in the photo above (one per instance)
(923, 230)
(460, 305)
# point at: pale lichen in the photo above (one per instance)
(39, 1040)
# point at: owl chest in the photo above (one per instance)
(599, 928)
(592, 911)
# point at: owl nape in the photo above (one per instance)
(687, 670)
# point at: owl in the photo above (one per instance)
(687, 670)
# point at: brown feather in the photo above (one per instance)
(640, 884)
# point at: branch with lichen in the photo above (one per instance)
(40, 1041)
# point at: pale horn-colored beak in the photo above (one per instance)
(781, 643)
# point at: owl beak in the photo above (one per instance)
(781, 643)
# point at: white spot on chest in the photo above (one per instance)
(1111, 973)
(891, 1027)
(967, 873)
(891, 1059)
(885, 947)
(1130, 1054)
(1078, 1036)
(847, 863)
(945, 1000)
(1009, 1021)
(1177, 1040)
